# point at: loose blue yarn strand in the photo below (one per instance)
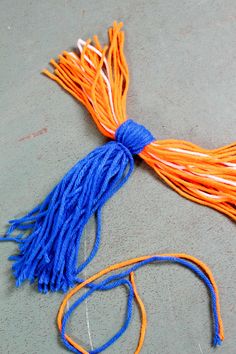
(96, 243)
(114, 281)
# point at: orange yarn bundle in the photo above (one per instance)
(98, 77)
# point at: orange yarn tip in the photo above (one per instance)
(98, 77)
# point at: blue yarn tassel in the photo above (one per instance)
(50, 235)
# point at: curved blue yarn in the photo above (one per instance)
(50, 234)
(117, 280)
(134, 136)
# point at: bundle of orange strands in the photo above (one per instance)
(98, 77)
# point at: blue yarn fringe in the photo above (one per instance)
(50, 235)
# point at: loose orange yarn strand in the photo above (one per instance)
(124, 264)
(99, 78)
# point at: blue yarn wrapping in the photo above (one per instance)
(116, 280)
(134, 136)
(50, 235)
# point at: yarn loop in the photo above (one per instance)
(119, 278)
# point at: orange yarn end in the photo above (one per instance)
(98, 77)
(143, 315)
(207, 177)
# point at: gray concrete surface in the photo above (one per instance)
(182, 59)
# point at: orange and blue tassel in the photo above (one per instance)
(50, 235)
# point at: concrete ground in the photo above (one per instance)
(182, 60)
